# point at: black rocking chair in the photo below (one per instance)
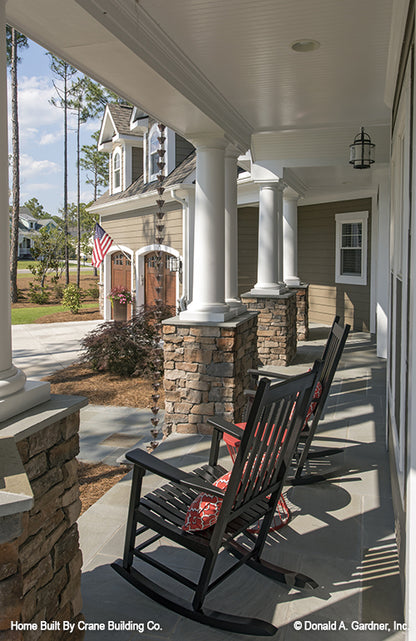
(255, 483)
(330, 359)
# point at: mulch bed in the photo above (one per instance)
(95, 479)
(102, 388)
(66, 317)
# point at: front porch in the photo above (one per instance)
(341, 533)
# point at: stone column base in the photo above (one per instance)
(40, 559)
(302, 310)
(206, 371)
(276, 334)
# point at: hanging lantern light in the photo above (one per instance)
(362, 151)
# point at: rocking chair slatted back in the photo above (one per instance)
(261, 456)
(330, 359)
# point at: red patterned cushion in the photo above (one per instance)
(203, 511)
(312, 407)
(233, 443)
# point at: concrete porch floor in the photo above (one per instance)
(341, 533)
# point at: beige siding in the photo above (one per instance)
(316, 260)
(248, 220)
(137, 229)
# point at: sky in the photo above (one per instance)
(41, 136)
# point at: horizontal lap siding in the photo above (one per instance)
(248, 220)
(316, 260)
(137, 229)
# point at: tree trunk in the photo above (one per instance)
(78, 202)
(66, 177)
(14, 241)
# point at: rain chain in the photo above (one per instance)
(159, 263)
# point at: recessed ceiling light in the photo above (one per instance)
(305, 45)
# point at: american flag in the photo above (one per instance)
(102, 243)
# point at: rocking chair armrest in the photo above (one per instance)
(198, 483)
(224, 426)
(258, 373)
(153, 464)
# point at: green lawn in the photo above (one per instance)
(24, 264)
(27, 315)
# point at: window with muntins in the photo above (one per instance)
(117, 171)
(351, 248)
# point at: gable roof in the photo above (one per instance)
(117, 122)
(121, 115)
(139, 187)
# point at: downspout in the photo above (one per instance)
(188, 246)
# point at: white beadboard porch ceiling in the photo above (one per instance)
(216, 66)
(244, 49)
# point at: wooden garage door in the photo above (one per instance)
(121, 274)
(168, 281)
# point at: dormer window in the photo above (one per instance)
(153, 152)
(117, 171)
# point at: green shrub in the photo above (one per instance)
(72, 298)
(94, 292)
(58, 290)
(38, 295)
(128, 348)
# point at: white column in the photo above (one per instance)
(268, 243)
(382, 266)
(13, 397)
(279, 233)
(290, 238)
(231, 232)
(208, 299)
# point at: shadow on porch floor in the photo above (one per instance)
(341, 533)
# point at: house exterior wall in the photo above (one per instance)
(316, 261)
(136, 162)
(248, 229)
(401, 370)
(182, 149)
(136, 229)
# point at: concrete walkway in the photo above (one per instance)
(106, 433)
(341, 533)
(40, 349)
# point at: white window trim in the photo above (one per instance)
(117, 151)
(353, 217)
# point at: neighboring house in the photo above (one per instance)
(29, 228)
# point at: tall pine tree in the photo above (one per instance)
(63, 72)
(15, 41)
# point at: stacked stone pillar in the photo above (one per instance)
(206, 370)
(40, 559)
(302, 311)
(276, 333)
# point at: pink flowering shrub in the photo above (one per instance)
(121, 295)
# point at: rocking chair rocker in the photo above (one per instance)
(250, 492)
